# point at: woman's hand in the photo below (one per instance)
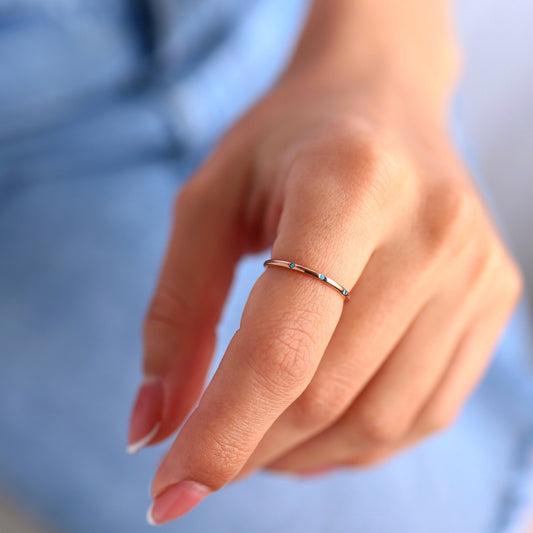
(356, 179)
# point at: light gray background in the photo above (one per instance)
(498, 107)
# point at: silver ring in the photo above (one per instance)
(322, 277)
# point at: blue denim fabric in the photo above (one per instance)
(105, 110)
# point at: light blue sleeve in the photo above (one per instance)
(92, 152)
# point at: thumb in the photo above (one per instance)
(208, 238)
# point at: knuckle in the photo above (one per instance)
(362, 157)
(507, 283)
(320, 404)
(289, 357)
(367, 458)
(169, 311)
(292, 354)
(499, 270)
(485, 261)
(482, 257)
(438, 419)
(450, 217)
(379, 427)
(515, 280)
(187, 197)
(363, 167)
(218, 461)
(457, 206)
(372, 169)
(385, 177)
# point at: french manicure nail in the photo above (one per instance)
(175, 501)
(146, 415)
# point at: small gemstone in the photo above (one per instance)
(292, 265)
(345, 292)
(322, 276)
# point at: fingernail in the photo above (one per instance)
(175, 501)
(146, 415)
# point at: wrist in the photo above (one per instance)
(409, 46)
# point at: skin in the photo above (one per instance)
(345, 166)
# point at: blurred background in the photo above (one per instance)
(498, 110)
(497, 105)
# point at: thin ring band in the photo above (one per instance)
(322, 277)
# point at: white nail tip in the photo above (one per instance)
(134, 447)
(149, 518)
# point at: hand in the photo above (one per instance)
(363, 185)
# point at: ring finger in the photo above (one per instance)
(385, 416)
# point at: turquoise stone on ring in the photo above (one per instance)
(321, 277)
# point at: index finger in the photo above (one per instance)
(286, 325)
